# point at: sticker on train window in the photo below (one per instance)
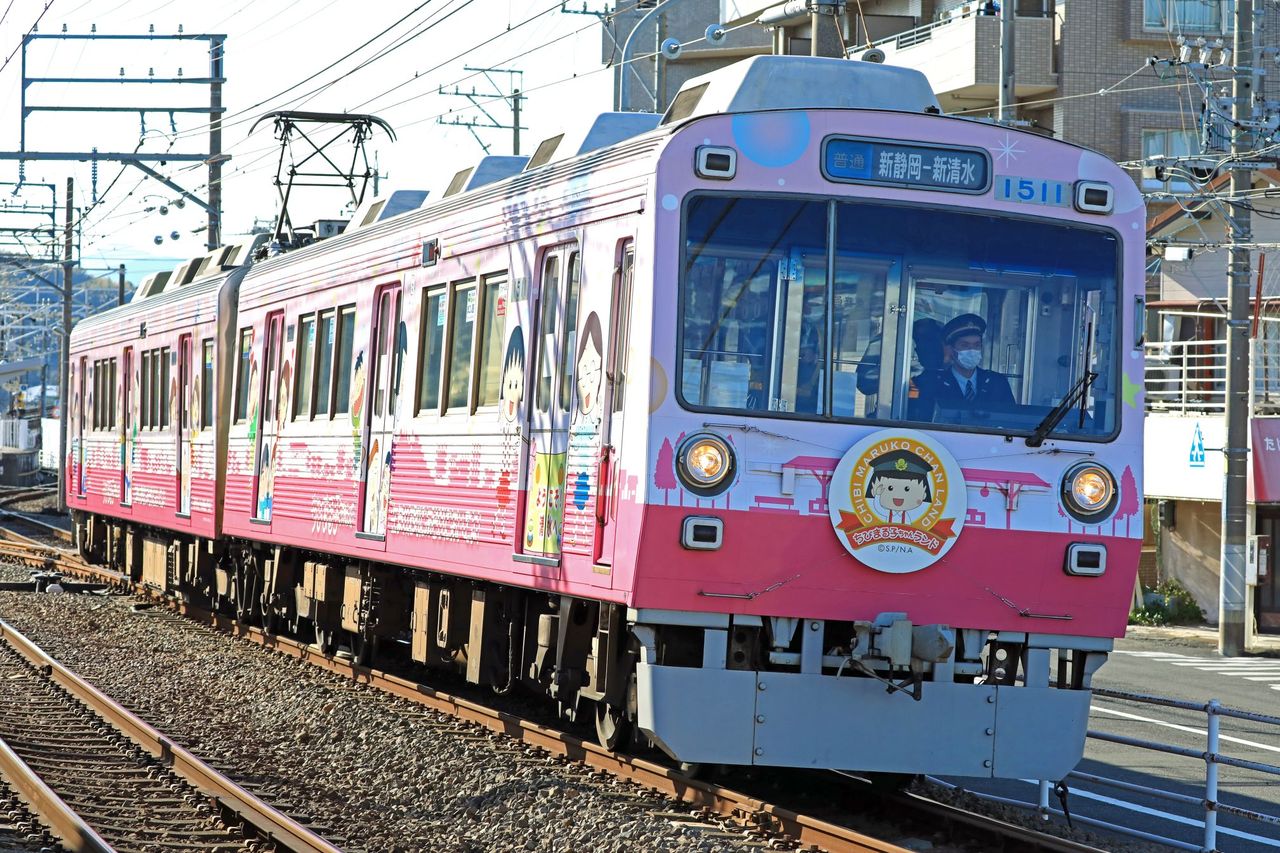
(440, 308)
(905, 164)
(1032, 191)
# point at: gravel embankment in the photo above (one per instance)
(373, 772)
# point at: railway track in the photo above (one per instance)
(100, 779)
(787, 827)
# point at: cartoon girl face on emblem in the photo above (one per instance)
(590, 364)
(511, 392)
(900, 486)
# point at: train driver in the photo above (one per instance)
(963, 384)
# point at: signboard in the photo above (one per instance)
(897, 501)
(905, 164)
(1266, 459)
(1183, 457)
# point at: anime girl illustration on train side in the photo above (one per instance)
(584, 437)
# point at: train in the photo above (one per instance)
(798, 426)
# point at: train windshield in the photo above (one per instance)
(862, 311)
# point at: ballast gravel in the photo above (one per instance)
(369, 771)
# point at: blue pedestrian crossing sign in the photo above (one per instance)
(1196, 457)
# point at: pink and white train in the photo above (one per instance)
(799, 426)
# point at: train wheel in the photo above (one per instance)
(613, 729)
(364, 648)
(326, 640)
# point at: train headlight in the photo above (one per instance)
(1089, 492)
(705, 463)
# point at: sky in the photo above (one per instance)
(391, 59)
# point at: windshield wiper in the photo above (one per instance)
(1078, 392)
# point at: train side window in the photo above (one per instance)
(622, 329)
(550, 301)
(206, 384)
(144, 393)
(111, 394)
(431, 348)
(242, 375)
(324, 362)
(346, 337)
(305, 361)
(569, 343)
(93, 389)
(157, 390)
(164, 403)
(489, 366)
(462, 333)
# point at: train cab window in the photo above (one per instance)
(305, 361)
(431, 348)
(493, 309)
(968, 320)
(754, 310)
(242, 375)
(206, 384)
(569, 348)
(324, 362)
(342, 381)
(462, 331)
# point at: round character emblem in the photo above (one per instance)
(898, 501)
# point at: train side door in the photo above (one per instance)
(543, 479)
(265, 452)
(183, 424)
(608, 485)
(381, 418)
(128, 432)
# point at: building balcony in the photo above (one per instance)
(960, 55)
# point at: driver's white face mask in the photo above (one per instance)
(969, 358)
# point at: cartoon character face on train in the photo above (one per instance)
(900, 485)
(511, 393)
(590, 364)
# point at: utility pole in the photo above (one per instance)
(1235, 510)
(216, 157)
(64, 381)
(1005, 108)
(120, 287)
(479, 100)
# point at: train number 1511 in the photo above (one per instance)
(1032, 191)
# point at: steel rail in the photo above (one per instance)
(272, 824)
(664, 780)
(46, 805)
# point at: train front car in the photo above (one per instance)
(893, 466)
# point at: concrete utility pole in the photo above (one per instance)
(216, 157)
(1006, 111)
(64, 381)
(1235, 510)
(120, 287)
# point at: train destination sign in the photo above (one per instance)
(901, 164)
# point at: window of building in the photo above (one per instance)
(431, 348)
(1189, 16)
(303, 378)
(462, 332)
(489, 376)
(1168, 143)
(324, 362)
(206, 384)
(346, 337)
(242, 375)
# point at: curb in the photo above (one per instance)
(1202, 636)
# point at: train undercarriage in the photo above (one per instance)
(574, 651)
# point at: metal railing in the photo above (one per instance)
(925, 32)
(1213, 760)
(1190, 377)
